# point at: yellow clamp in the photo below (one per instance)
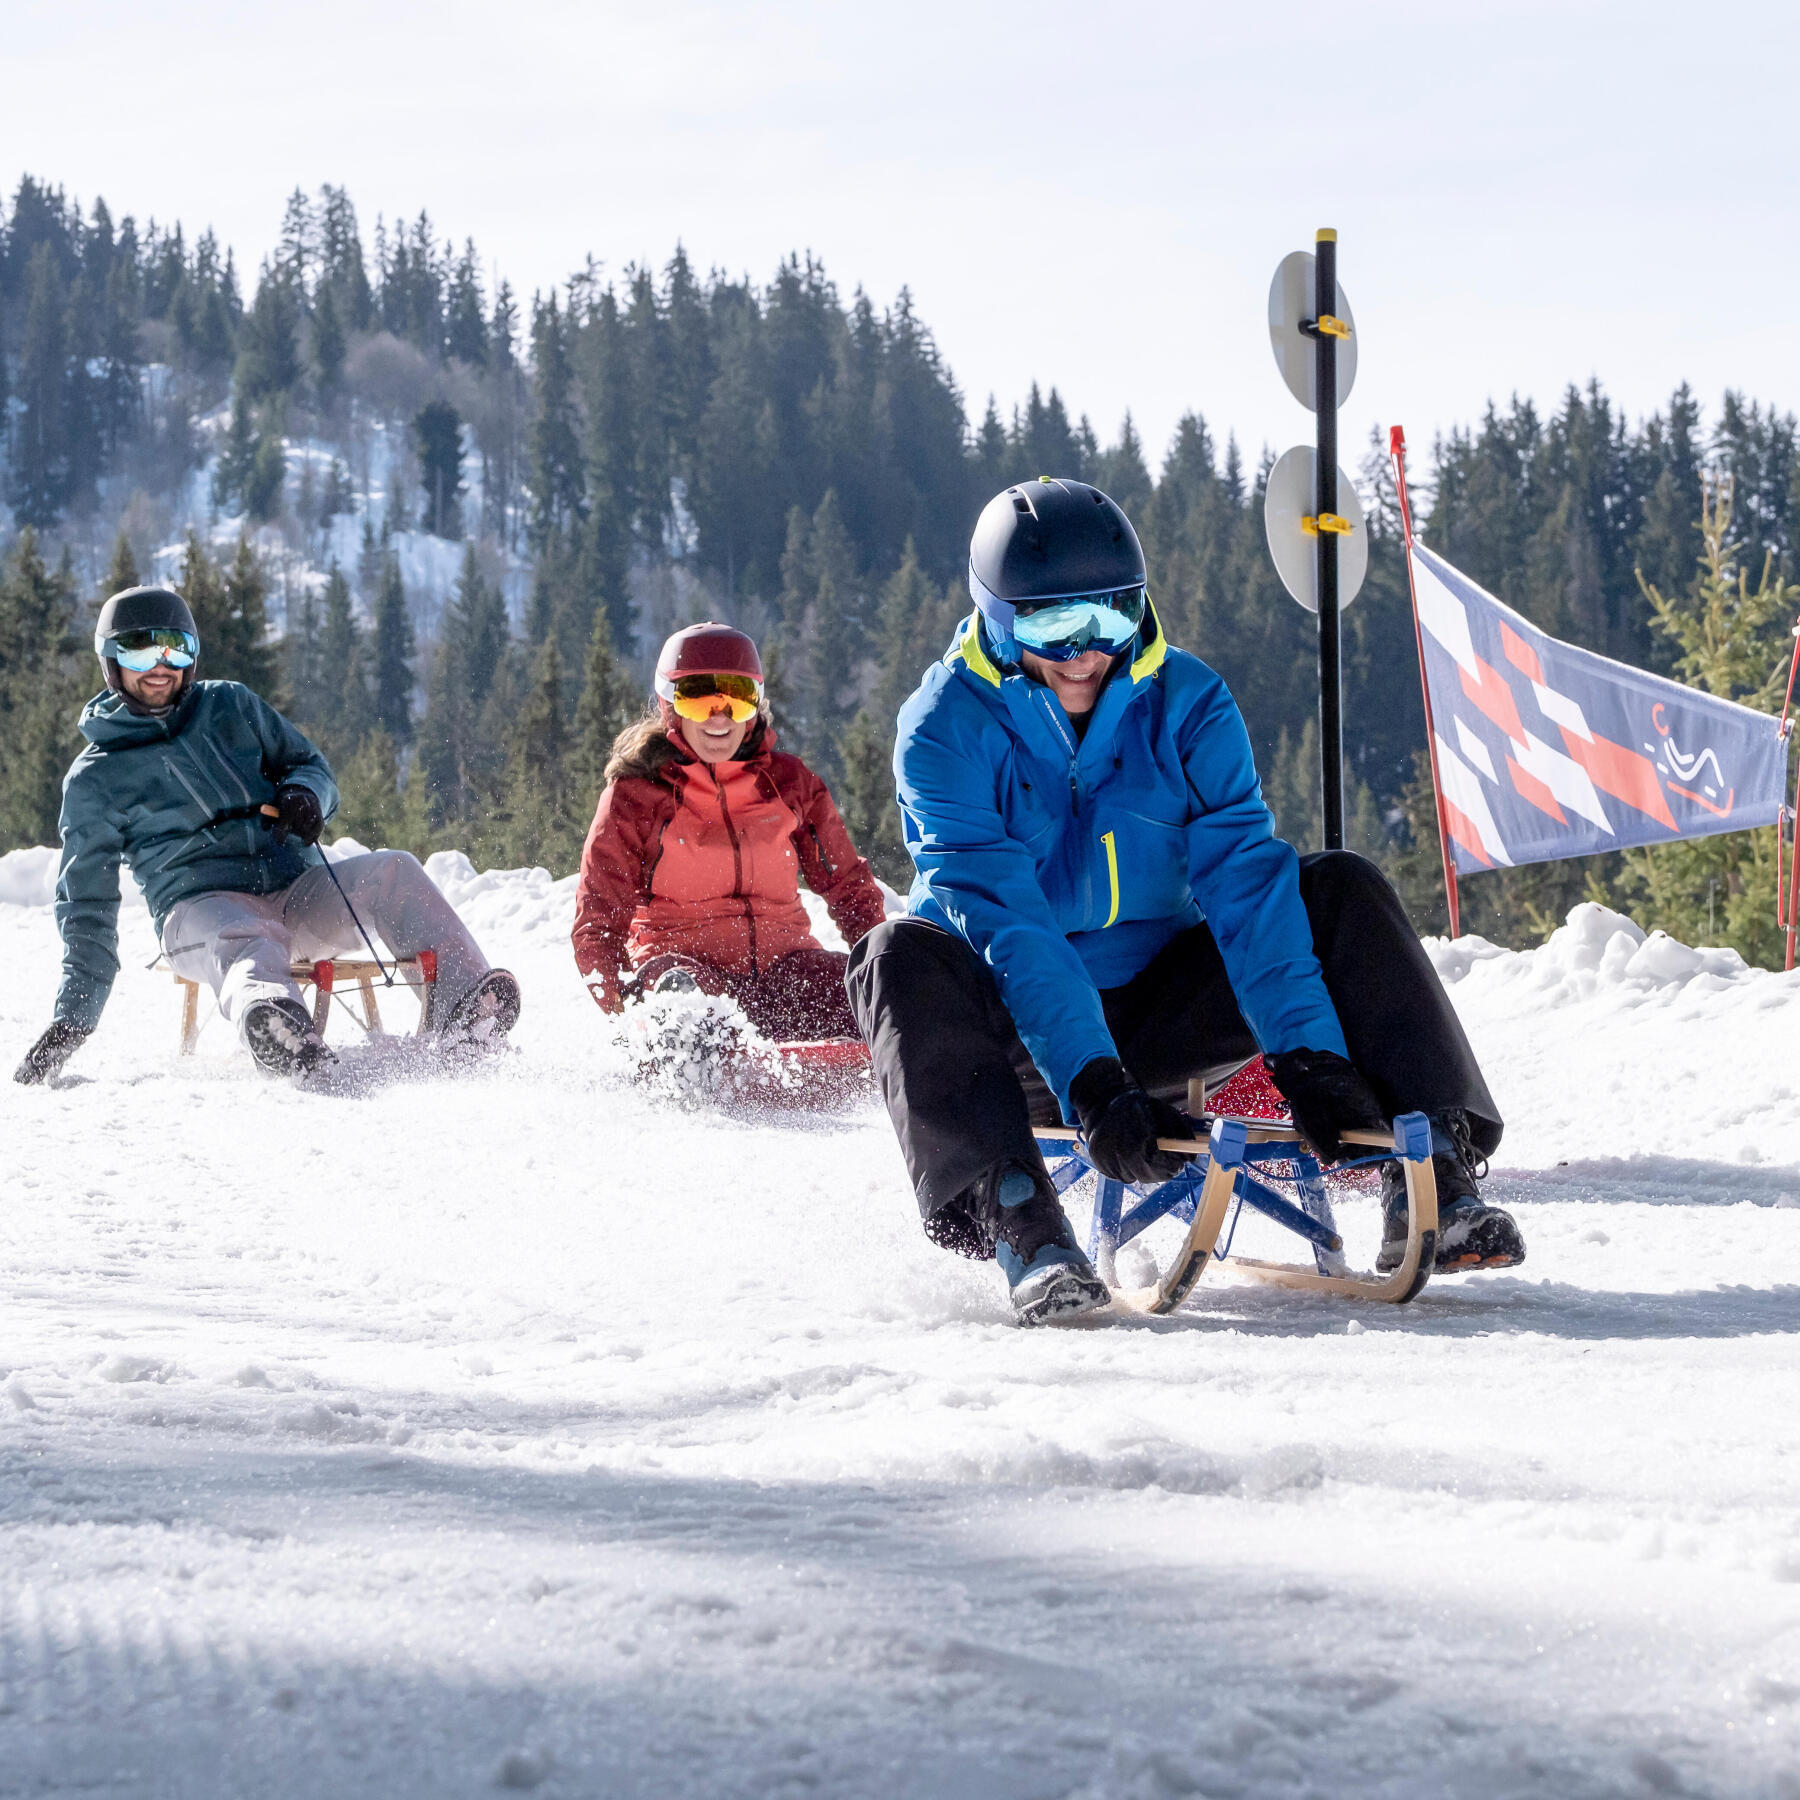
(1327, 326)
(1326, 522)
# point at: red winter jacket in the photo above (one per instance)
(705, 860)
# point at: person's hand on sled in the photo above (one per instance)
(1121, 1124)
(297, 814)
(1327, 1098)
(603, 984)
(46, 1057)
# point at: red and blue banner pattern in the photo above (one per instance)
(1545, 750)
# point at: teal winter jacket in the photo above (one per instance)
(1067, 863)
(177, 798)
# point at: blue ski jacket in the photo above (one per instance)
(177, 798)
(1067, 863)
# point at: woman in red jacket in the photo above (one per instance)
(691, 873)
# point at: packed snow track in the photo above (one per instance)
(532, 1431)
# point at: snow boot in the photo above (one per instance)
(1471, 1234)
(1050, 1280)
(484, 1015)
(282, 1040)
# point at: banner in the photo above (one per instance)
(1545, 751)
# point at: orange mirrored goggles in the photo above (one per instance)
(700, 696)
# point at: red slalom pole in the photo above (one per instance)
(1397, 450)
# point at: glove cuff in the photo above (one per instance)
(1097, 1086)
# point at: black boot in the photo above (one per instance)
(282, 1039)
(1018, 1218)
(484, 1015)
(1471, 1234)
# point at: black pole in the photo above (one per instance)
(1331, 729)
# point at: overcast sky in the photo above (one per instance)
(1091, 195)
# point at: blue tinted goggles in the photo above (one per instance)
(1063, 629)
(141, 651)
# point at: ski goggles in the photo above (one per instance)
(1061, 630)
(141, 651)
(700, 696)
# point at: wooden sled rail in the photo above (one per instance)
(1228, 1150)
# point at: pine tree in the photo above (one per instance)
(269, 356)
(458, 762)
(437, 431)
(540, 824)
(347, 714)
(610, 700)
(822, 629)
(265, 486)
(303, 666)
(913, 625)
(41, 456)
(393, 656)
(122, 571)
(1733, 641)
(556, 474)
(44, 676)
(230, 610)
(328, 347)
(236, 466)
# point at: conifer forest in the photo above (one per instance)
(445, 526)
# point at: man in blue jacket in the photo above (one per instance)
(212, 796)
(1102, 910)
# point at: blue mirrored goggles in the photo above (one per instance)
(141, 651)
(1061, 630)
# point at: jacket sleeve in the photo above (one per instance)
(87, 907)
(833, 869)
(615, 877)
(1247, 882)
(985, 884)
(289, 755)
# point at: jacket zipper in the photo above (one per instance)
(737, 871)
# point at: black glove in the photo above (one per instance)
(1122, 1123)
(1327, 1098)
(47, 1056)
(297, 814)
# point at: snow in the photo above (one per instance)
(529, 1432)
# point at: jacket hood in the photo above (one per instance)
(109, 724)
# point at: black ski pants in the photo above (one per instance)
(964, 1095)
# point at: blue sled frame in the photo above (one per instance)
(1230, 1165)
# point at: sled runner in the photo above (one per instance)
(327, 978)
(1234, 1166)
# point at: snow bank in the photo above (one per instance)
(28, 877)
(1595, 953)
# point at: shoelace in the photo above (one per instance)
(1474, 1166)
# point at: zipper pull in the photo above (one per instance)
(1074, 793)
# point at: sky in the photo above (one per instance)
(1090, 196)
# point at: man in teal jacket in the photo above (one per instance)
(1102, 910)
(214, 800)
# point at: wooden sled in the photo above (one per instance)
(1229, 1166)
(328, 977)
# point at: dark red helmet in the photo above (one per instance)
(706, 649)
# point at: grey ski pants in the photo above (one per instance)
(240, 945)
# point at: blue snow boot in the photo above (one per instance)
(1051, 1281)
(1471, 1234)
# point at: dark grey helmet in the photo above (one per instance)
(143, 609)
(1046, 540)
